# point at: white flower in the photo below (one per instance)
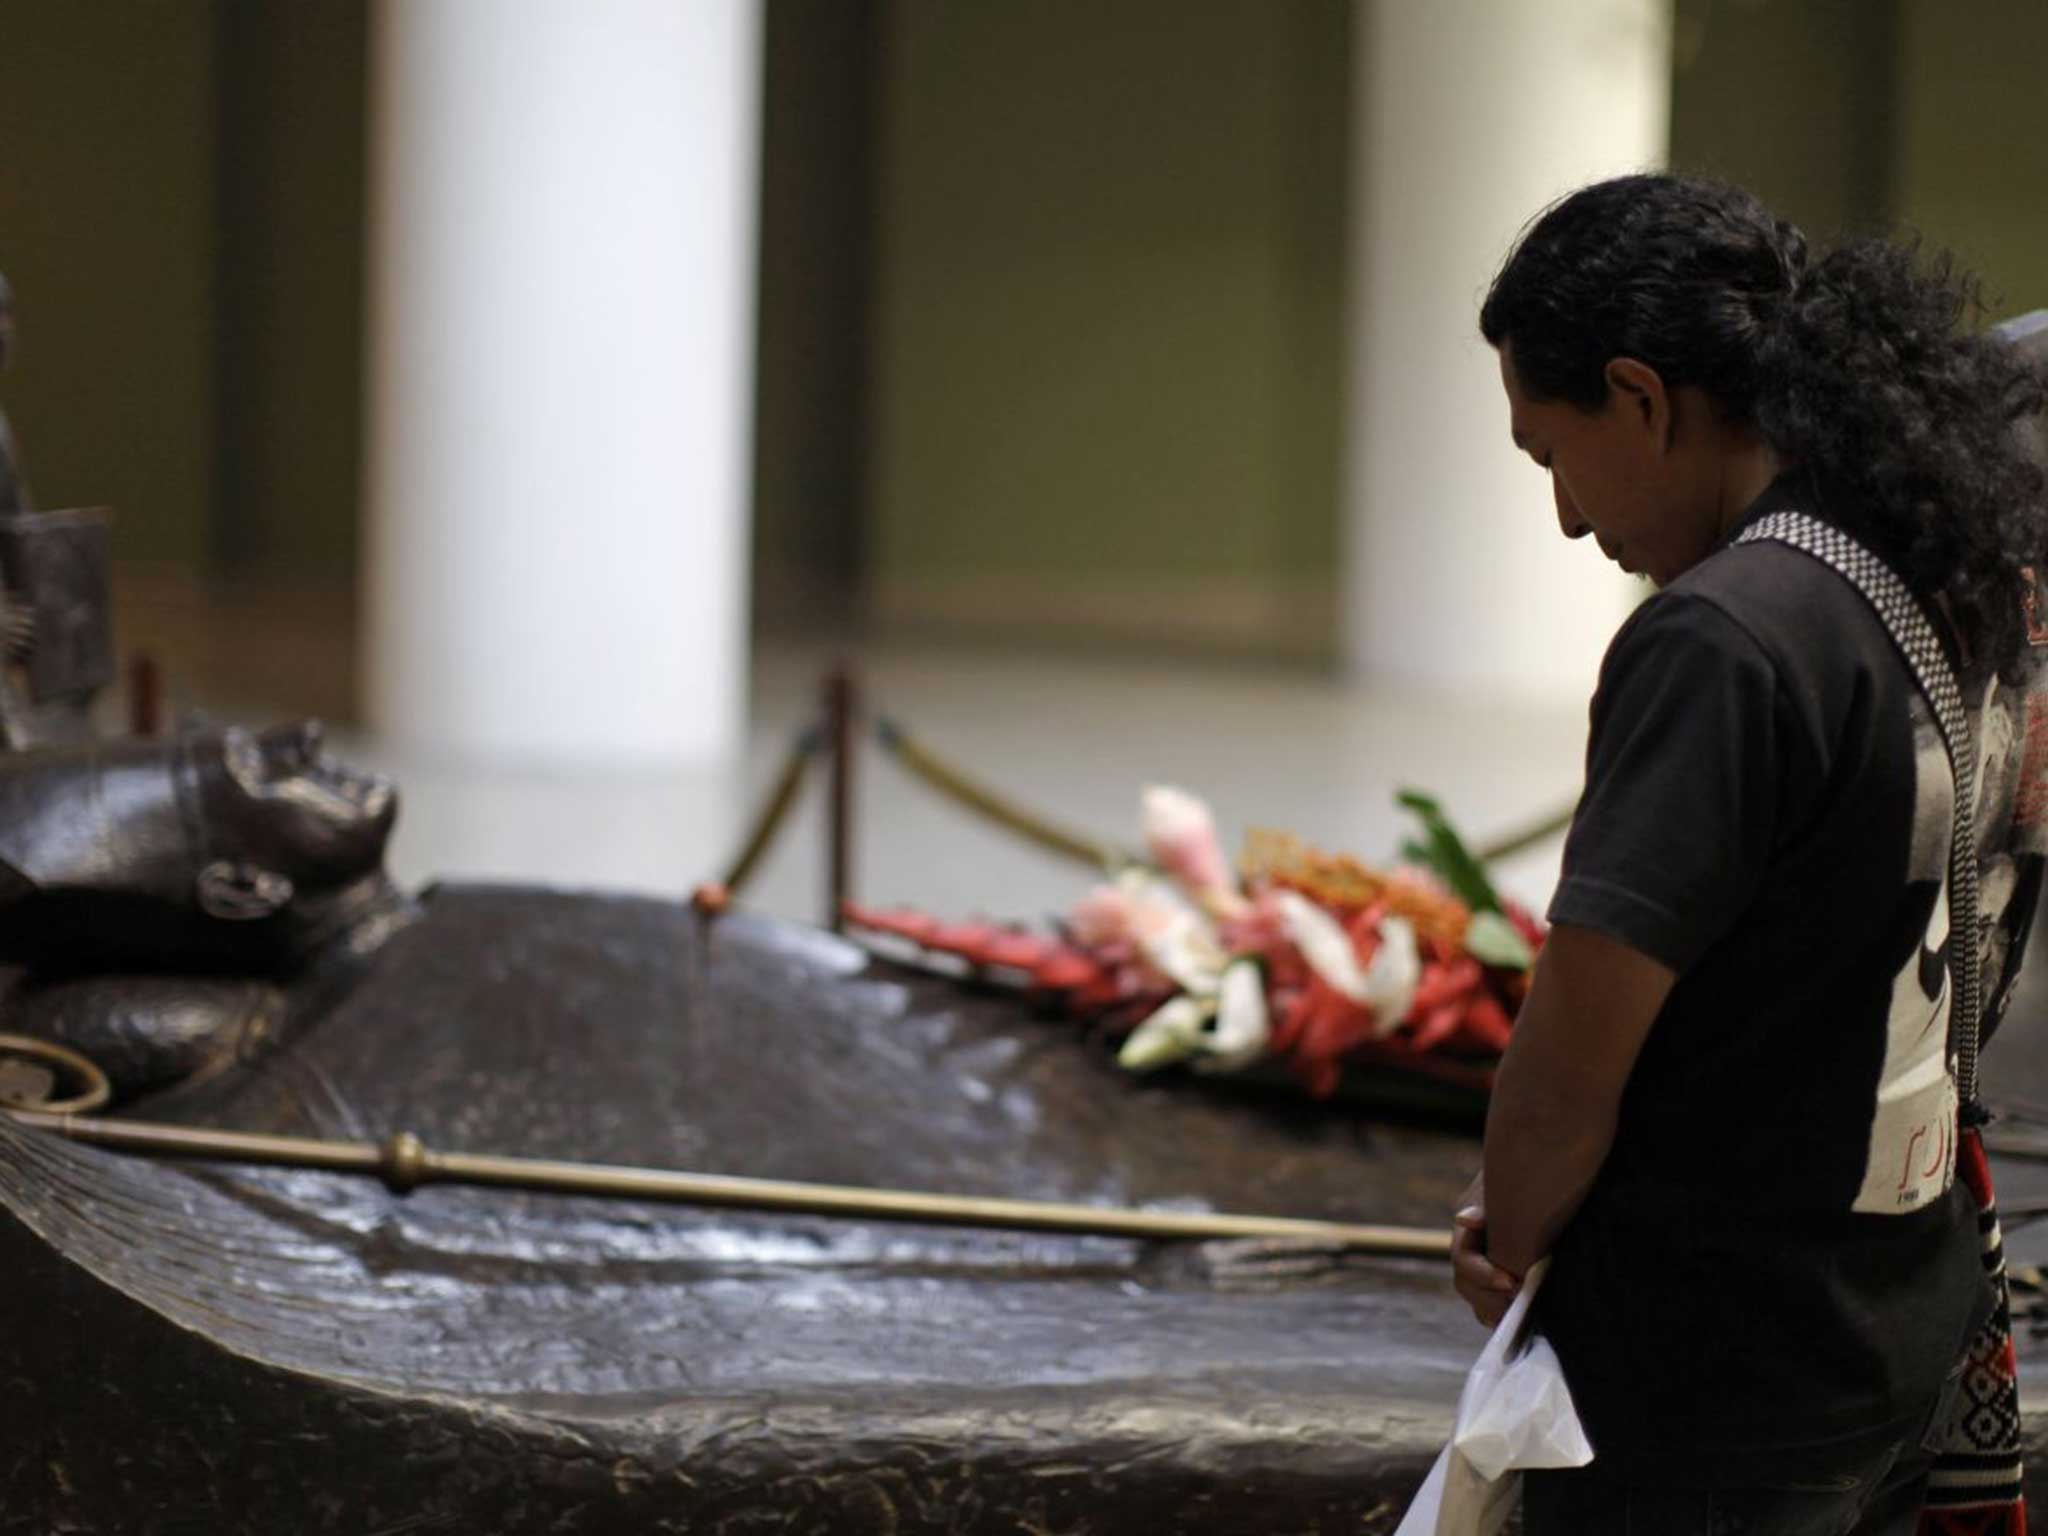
(1242, 1024)
(1391, 978)
(1189, 954)
(1324, 945)
(1171, 1034)
(1387, 986)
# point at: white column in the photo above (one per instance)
(1471, 115)
(561, 260)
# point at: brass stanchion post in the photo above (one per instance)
(145, 696)
(842, 704)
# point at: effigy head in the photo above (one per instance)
(279, 816)
(222, 847)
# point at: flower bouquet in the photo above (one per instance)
(1310, 960)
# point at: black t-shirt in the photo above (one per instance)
(1777, 1261)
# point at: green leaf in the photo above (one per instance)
(1445, 853)
(1493, 940)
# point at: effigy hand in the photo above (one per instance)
(146, 1032)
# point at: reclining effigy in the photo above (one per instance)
(206, 920)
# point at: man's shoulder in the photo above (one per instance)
(1803, 615)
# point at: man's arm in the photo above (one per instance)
(1558, 1092)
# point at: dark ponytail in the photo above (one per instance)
(1856, 368)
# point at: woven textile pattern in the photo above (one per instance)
(1908, 625)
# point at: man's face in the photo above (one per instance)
(1611, 478)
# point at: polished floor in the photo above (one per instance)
(1073, 738)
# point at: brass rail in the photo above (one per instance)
(404, 1162)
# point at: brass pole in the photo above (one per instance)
(404, 1163)
(145, 696)
(842, 703)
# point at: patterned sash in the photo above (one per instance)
(1976, 1487)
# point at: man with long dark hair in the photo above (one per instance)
(1730, 1111)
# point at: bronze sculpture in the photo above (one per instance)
(265, 1350)
(159, 895)
(206, 917)
(56, 633)
(225, 859)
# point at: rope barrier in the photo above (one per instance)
(1529, 836)
(993, 806)
(775, 810)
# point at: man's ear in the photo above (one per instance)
(1639, 390)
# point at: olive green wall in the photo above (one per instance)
(820, 64)
(1052, 289)
(181, 218)
(107, 232)
(1972, 140)
(1795, 101)
(293, 80)
(1109, 319)
(1868, 116)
